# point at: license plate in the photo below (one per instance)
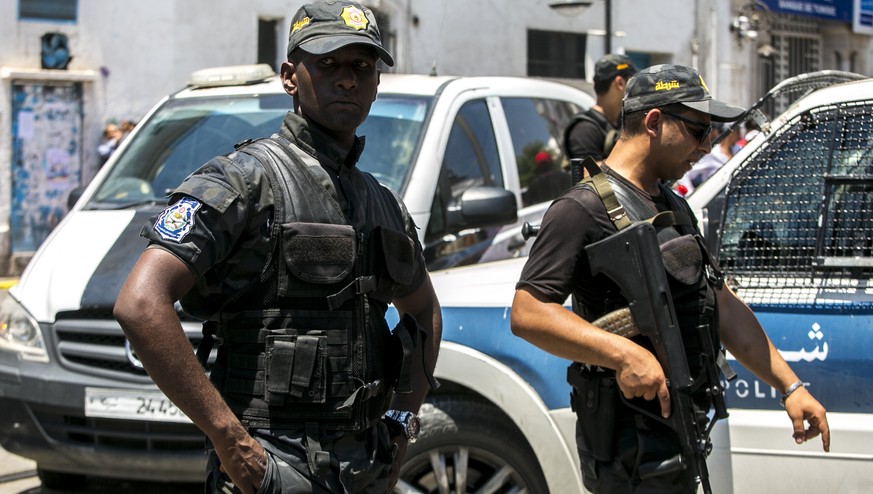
(131, 405)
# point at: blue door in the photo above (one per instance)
(46, 158)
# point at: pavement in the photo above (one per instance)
(13, 467)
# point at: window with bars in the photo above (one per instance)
(799, 214)
(47, 10)
(268, 34)
(796, 43)
(555, 54)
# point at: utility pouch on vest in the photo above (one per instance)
(397, 252)
(683, 260)
(317, 253)
(594, 398)
(295, 369)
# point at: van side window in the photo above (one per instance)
(537, 127)
(798, 215)
(471, 160)
(471, 154)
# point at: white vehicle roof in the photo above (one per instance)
(415, 84)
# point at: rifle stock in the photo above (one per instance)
(632, 259)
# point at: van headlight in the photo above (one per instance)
(19, 332)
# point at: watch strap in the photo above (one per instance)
(401, 419)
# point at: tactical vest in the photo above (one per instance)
(307, 343)
(691, 273)
(610, 133)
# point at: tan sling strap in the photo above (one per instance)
(614, 208)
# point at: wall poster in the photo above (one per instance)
(46, 158)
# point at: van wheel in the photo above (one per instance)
(470, 444)
(60, 480)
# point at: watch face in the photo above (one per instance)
(413, 426)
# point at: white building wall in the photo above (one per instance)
(141, 51)
(144, 50)
(130, 54)
(490, 36)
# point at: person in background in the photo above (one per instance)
(112, 136)
(291, 255)
(750, 130)
(549, 181)
(127, 127)
(595, 131)
(711, 162)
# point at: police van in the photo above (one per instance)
(790, 218)
(463, 152)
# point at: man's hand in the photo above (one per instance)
(744, 337)
(801, 406)
(402, 443)
(641, 376)
(245, 462)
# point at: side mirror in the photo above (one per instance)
(484, 206)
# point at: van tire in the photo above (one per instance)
(496, 450)
(60, 480)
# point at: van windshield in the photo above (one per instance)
(185, 133)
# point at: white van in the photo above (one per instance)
(462, 152)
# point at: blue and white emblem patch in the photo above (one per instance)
(177, 220)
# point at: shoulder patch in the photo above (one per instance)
(177, 220)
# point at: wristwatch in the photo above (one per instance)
(407, 423)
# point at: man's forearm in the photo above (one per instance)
(167, 356)
(744, 337)
(145, 310)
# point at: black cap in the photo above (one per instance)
(612, 65)
(662, 85)
(324, 26)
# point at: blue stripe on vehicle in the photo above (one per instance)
(829, 350)
(106, 281)
(486, 329)
(841, 378)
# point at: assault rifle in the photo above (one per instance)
(632, 259)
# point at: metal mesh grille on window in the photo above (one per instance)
(799, 217)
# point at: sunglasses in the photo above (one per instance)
(698, 130)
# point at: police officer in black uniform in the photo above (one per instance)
(291, 256)
(667, 111)
(595, 131)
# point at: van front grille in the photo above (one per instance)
(98, 346)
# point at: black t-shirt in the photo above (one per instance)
(557, 265)
(586, 137)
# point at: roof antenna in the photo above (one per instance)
(433, 70)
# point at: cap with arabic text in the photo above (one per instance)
(665, 84)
